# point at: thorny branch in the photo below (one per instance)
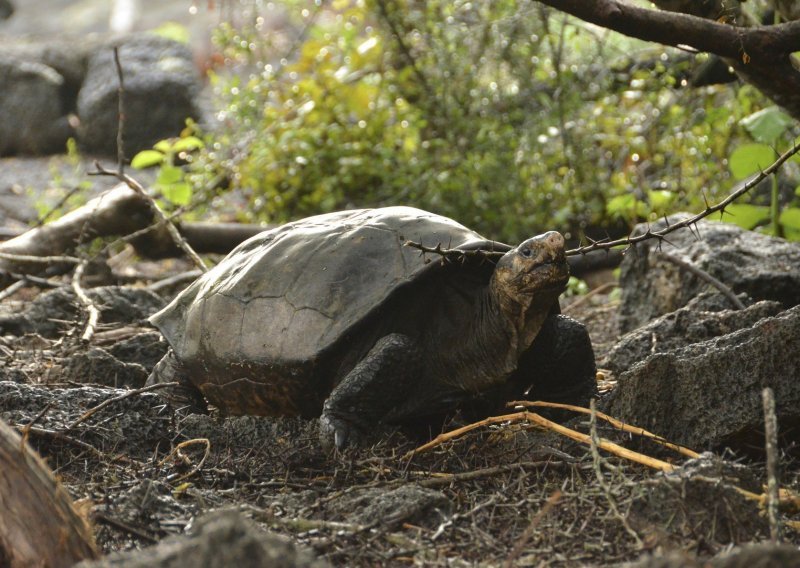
(630, 240)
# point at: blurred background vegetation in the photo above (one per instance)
(506, 115)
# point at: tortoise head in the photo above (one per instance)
(532, 274)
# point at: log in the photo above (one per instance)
(119, 211)
(39, 525)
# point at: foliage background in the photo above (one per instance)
(505, 115)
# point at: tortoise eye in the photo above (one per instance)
(526, 252)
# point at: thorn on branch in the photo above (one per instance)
(455, 255)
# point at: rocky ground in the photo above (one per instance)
(684, 358)
(159, 485)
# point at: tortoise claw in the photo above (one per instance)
(338, 433)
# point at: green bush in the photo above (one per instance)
(505, 115)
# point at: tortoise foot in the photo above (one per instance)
(338, 433)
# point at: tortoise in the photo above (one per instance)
(333, 316)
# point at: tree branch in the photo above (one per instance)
(761, 55)
(762, 44)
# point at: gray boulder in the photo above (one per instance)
(221, 538)
(34, 117)
(703, 318)
(708, 394)
(763, 267)
(161, 92)
(6, 9)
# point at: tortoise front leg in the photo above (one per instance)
(380, 381)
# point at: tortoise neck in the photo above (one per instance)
(489, 350)
(521, 316)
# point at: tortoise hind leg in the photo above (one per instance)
(382, 380)
(183, 395)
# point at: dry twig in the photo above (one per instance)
(589, 295)
(176, 451)
(526, 536)
(705, 276)
(86, 415)
(771, 445)
(611, 420)
(598, 471)
(135, 185)
(86, 302)
(543, 422)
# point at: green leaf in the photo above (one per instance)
(164, 146)
(621, 205)
(168, 175)
(178, 193)
(790, 221)
(750, 159)
(745, 215)
(767, 125)
(173, 31)
(660, 199)
(188, 144)
(147, 159)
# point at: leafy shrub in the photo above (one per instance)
(504, 115)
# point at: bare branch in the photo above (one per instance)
(669, 28)
(705, 276)
(159, 213)
(121, 111)
(761, 55)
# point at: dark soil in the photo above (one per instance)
(508, 493)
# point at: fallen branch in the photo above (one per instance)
(444, 479)
(157, 211)
(543, 422)
(611, 420)
(27, 430)
(785, 499)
